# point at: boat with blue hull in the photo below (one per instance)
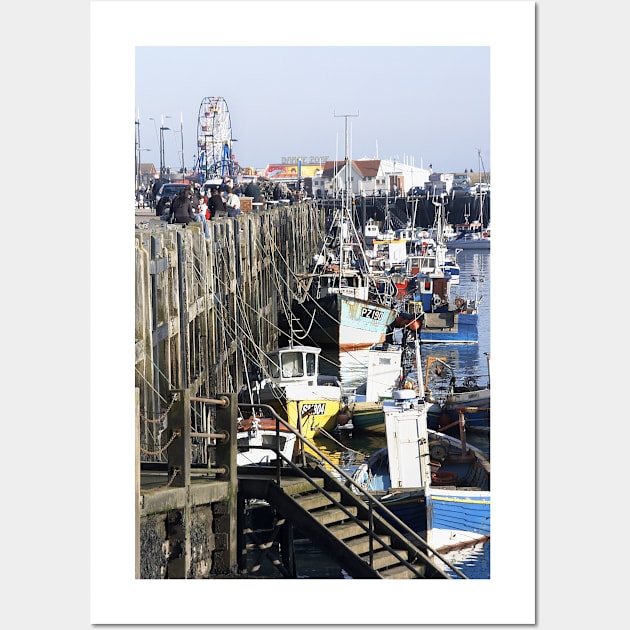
(435, 483)
(441, 316)
(338, 319)
(448, 503)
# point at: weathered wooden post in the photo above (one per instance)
(179, 461)
(225, 512)
(137, 484)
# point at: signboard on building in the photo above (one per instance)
(290, 171)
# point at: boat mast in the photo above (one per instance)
(421, 392)
(346, 206)
(481, 192)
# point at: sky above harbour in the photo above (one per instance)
(415, 104)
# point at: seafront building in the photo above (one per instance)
(322, 177)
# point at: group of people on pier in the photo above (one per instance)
(190, 205)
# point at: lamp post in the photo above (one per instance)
(181, 131)
(161, 141)
(162, 130)
(140, 174)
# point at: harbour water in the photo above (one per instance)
(348, 449)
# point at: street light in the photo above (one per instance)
(140, 174)
(161, 141)
(181, 131)
(162, 130)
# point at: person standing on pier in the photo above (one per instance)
(216, 207)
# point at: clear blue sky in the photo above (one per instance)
(426, 105)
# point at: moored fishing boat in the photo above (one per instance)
(342, 302)
(390, 367)
(435, 487)
(435, 483)
(259, 439)
(384, 374)
(470, 240)
(452, 396)
(337, 309)
(298, 393)
(442, 318)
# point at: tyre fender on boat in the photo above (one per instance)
(438, 451)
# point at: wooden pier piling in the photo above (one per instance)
(205, 308)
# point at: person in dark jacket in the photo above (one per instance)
(215, 204)
(181, 208)
(253, 190)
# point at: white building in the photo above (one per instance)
(368, 177)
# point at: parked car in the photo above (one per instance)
(169, 190)
(165, 195)
(209, 184)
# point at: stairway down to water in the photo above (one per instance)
(338, 522)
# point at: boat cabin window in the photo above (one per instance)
(292, 365)
(311, 364)
(274, 367)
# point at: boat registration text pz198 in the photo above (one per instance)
(371, 313)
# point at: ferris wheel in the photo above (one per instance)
(214, 138)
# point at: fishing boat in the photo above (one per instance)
(384, 375)
(473, 235)
(388, 258)
(259, 439)
(390, 367)
(298, 393)
(470, 240)
(342, 302)
(442, 316)
(435, 483)
(426, 252)
(371, 232)
(456, 394)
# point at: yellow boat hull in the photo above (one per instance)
(309, 416)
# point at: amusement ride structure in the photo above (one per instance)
(215, 158)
